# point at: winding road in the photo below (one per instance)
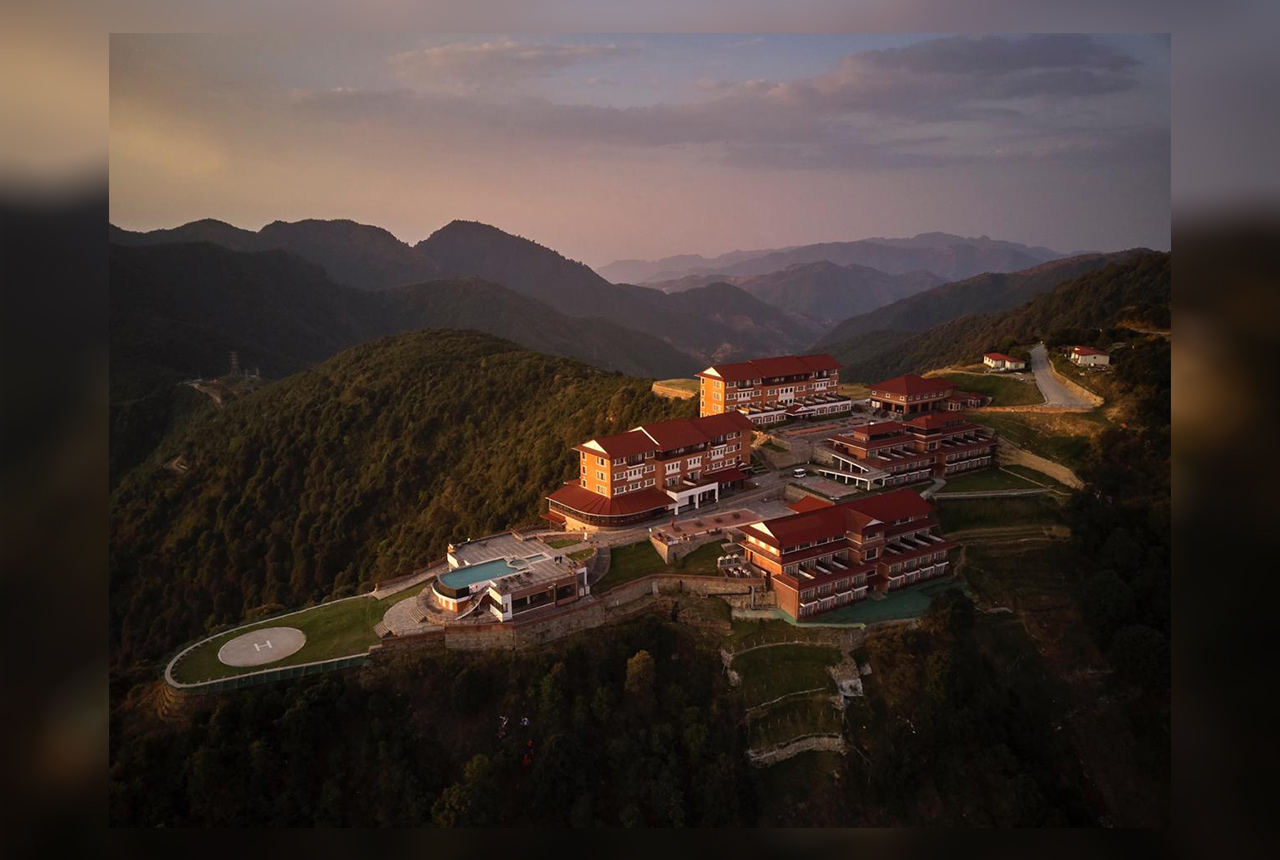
(1055, 393)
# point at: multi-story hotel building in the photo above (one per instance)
(769, 390)
(910, 394)
(834, 555)
(654, 469)
(890, 453)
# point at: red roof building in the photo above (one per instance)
(652, 470)
(1000, 361)
(1086, 356)
(893, 453)
(821, 559)
(769, 390)
(910, 394)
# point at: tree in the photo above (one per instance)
(1141, 654)
(1107, 603)
(639, 687)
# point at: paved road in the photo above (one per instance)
(1055, 393)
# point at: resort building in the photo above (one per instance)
(655, 469)
(505, 576)
(910, 394)
(891, 453)
(1000, 361)
(769, 390)
(1088, 357)
(836, 554)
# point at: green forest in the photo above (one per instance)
(1135, 293)
(357, 470)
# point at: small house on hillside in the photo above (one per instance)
(1085, 356)
(1000, 361)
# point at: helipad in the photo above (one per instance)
(260, 647)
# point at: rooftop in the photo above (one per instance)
(666, 435)
(837, 519)
(780, 365)
(912, 385)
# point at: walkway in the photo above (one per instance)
(1056, 395)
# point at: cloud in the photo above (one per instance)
(471, 67)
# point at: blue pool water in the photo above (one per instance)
(464, 576)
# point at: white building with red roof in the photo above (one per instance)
(1000, 361)
(770, 390)
(1085, 356)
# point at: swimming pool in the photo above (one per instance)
(464, 576)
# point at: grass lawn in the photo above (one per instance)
(1003, 390)
(702, 559)
(806, 715)
(582, 554)
(1064, 438)
(689, 385)
(854, 391)
(768, 673)
(1038, 478)
(338, 629)
(630, 562)
(774, 446)
(986, 479)
(959, 514)
(561, 543)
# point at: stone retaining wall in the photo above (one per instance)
(1075, 387)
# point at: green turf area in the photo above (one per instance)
(630, 562)
(774, 446)
(338, 629)
(748, 633)
(690, 385)
(1038, 478)
(959, 514)
(779, 670)
(986, 479)
(795, 718)
(702, 559)
(854, 391)
(1003, 390)
(582, 554)
(561, 543)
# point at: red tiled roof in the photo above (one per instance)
(724, 423)
(779, 365)
(676, 433)
(1000, 356)
(879, 428)
(808, 503)
(933, 421)
(834, 520)
(912, 384)
(891, 506)
(621, 444)
(580, 499)
(664, 435)
(1086, 350)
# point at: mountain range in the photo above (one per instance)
(1122, 289)
(946, 255)
(823, 292)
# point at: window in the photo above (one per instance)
(600, 488)
(599, 475)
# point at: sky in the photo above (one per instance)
(612, 147)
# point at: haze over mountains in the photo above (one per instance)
(363, 282)
(948, 256)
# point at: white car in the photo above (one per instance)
(799, 473)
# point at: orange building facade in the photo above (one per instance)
(654, 470)
(770, 390)
(837, 554)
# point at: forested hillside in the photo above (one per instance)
(985, 293)
(1137, 291)
(355, 470)
(178, 310)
